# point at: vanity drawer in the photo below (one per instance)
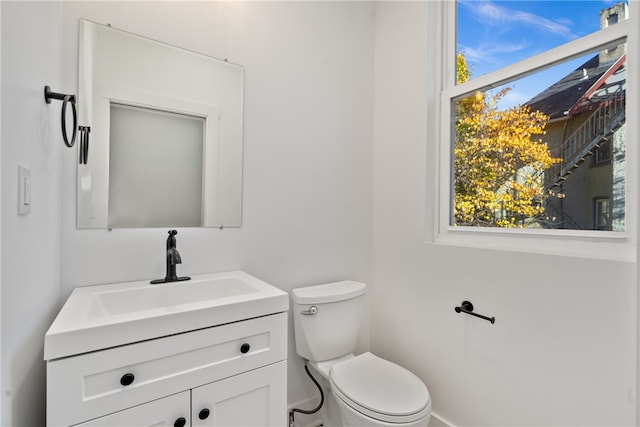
(98, 383)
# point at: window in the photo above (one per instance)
(602, 213)
(602, 153)
(523, 117)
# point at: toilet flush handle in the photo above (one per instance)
(312, 310)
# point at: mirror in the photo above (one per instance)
(165, 145)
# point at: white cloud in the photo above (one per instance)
(513, 98)
(489, 12)
(489, 53)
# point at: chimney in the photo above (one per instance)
(608, 17)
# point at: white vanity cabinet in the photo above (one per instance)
(228, 375)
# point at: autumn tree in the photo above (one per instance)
(499, 160)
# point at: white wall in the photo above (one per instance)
(31, 58)
(307, 152)
(563, 348)
(308, 122)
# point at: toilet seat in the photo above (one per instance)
(380, 389)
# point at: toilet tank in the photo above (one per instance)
(331, 329)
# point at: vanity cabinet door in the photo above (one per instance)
(88, 386)
(170, 411)
(254, 398)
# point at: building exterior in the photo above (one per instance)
(586, 129)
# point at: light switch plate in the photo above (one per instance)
(24, 190)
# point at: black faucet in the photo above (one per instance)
(173, 258)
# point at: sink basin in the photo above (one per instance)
(98, 317)
(168, 296)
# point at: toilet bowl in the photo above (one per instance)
(362, 390)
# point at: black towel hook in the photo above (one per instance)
(66, 99)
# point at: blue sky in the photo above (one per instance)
(493, 34)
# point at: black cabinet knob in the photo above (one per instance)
(204, 414)
(244, 348)
(127, 379)
(180, 422)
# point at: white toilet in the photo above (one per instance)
(362, 390)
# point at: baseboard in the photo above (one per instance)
(438, 421)
(304, 420)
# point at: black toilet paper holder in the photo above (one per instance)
(467, 308)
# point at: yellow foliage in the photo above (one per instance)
(499, 160)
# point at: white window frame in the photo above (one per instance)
(580, 243)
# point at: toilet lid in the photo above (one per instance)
(380, 389)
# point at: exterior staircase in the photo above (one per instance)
(576, 149)
(557, 218)
(582, 143)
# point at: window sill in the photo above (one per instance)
(603, 245)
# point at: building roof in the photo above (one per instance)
(558, 99)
